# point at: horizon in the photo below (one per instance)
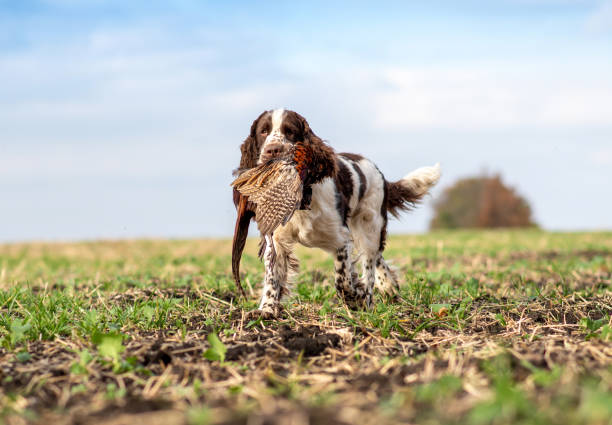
(255, 236)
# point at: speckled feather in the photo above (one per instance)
(275, 187)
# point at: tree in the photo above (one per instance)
(481, 201)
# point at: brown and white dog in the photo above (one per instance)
(344, 214)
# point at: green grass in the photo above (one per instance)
(495, 327)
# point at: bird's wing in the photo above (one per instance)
(276, 189)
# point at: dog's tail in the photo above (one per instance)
(404, 194)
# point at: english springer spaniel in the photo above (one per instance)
(344, 213)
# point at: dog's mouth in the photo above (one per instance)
(266, 158)
(272, 151)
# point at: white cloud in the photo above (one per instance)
(489, 97)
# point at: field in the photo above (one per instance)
(490, 327)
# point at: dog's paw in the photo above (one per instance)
(265, 313)
(356, 301)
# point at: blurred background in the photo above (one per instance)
(123, 119)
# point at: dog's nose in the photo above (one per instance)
(273, 150)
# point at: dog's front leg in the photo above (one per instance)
(274, 279)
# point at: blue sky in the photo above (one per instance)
(123, 119)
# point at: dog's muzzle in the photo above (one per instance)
(274, 147)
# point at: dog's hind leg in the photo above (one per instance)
(343, 267)
(368, 278)
(356, 291)
(386, 277)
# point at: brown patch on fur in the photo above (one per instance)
(321, 157)
(383, 212)
(352, 156)
(344, 182)
(250, 153)
(362, 181)
(252, 145)
(400, 198)
(344, 191)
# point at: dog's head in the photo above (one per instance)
(272, 134)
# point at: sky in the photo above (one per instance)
(123, 119)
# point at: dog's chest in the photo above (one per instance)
(321, 225)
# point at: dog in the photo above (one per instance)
(344, 213)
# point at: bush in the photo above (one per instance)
(484, 202)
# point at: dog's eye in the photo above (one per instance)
(264, 131)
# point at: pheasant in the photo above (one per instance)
(274, 190)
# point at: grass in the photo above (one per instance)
(491, 327)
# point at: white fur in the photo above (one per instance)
(422, 179)
(320, 226)
(365, 221)
(277, 120)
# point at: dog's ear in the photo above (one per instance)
(249, 153)
(250, 148)
(323, 161)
